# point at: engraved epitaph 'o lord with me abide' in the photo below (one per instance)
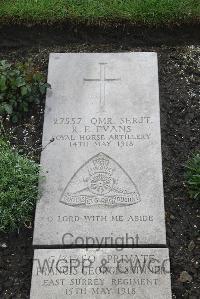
(103, 181)
(103, 177)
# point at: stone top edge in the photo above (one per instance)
(104, 53)
(103, 249)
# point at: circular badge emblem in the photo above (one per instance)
(100, 183)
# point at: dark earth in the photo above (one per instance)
(179, 78)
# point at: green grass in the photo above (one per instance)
(151, 12)
(193, 176)
(18, 188)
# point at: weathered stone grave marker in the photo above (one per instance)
(103, 169)
(103, 186)
(106, 273)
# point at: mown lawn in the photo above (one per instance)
(152, 12)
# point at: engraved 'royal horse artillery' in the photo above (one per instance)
(100, 182)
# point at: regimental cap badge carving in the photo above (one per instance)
(100, 182)
(100, 179)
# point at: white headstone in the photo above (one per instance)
(103, 169)
(105, 273)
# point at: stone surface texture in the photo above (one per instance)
(102, 152)
(105, 273)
